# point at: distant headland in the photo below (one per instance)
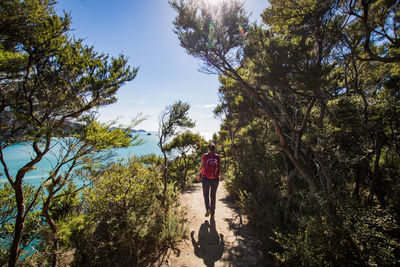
(132, 130)
(138, 131)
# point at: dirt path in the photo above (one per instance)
(225, 241)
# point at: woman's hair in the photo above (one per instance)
(211, 147)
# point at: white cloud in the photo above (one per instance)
(207, 135)
(206, 106)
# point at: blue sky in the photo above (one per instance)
(143, 31)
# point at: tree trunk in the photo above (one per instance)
(19, 197)
(326, 174)
(376, 183)
(53, 227)
(165, 171)
(290, 177)
(185, 179)
(55, 251)
(185, 174)
(19, 224)
(267, 110)
(300, 168)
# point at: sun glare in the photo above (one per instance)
(214, 1)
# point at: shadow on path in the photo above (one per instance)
(210, 245)
(244, 249)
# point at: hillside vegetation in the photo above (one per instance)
(310, 133)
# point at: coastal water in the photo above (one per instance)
(16, 156)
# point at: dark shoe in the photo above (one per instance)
(207, 213)
(212, 214)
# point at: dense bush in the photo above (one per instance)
(301, 228)
(358, 237)
(124, 218)
(128, 219)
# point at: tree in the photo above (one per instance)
(186, 144)
(370, 61)
(283, 77)
(172, 120)
(87, 147)
(48, 82)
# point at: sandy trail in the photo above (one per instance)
(225, 241)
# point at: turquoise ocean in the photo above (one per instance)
(17, 155)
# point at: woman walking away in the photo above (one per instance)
(212, 174)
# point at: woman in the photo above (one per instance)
(211, 175)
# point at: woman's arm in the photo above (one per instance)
(200, 169)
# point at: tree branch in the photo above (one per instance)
(6, 171)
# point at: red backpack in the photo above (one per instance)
(211, 162)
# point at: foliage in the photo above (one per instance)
(124, 219)
(211, 32)
(363, 239)
(173, 119)
(66, 203)
(39, 62)
(186, 149)
(309, 105)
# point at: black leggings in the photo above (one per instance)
(209, 185)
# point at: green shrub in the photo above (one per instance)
(127, 220)
(357, 237)
(316, 243)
